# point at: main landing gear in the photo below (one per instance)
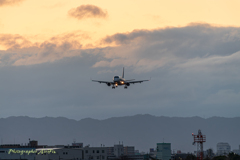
(115, 85)
(125, 87)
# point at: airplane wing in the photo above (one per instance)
(130, 80)
(102, 81)
(140, 81)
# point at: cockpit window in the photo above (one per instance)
(116, 76)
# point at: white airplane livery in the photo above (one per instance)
(118, 81)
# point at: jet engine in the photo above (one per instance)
(109, 84)
(128, 84)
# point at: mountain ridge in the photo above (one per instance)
(141, 131)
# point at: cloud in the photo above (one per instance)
(207, 64)
(9, 2)
(21, 51)
(87, 11)
(168, 47)
(194, 70)
(223, 98)
(46, 52)
(145, 50)
(64, 41)
(105, 71)
(14, 41)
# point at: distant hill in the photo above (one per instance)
(141, 131)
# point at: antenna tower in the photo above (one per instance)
(199, 139)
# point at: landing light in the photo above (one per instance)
(122, 82)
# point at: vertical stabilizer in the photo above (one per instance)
(123, 73)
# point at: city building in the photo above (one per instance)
(118, 150)
(136, 152)
(164, 151)
(129, 150)
(17, 153)
(110, 151)
(33, 151)
(59, 154)
(76, 151)
(223, 148)
(182, 156)
(95, 153)
(152, 153)
(151, 150)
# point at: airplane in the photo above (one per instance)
(118, 81)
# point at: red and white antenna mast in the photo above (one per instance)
(199, 139)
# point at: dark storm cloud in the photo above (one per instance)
(9, 2)
(87, 11)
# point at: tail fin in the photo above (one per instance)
(123, 73)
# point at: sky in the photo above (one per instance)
(51, 49)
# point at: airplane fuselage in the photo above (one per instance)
(118, 80)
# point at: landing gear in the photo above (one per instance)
(114, 85)
(125, 87)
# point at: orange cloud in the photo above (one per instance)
(14, 41)
(145, 49)
(87, 11)
(21, 51)
(9, 2)
(10, 41)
